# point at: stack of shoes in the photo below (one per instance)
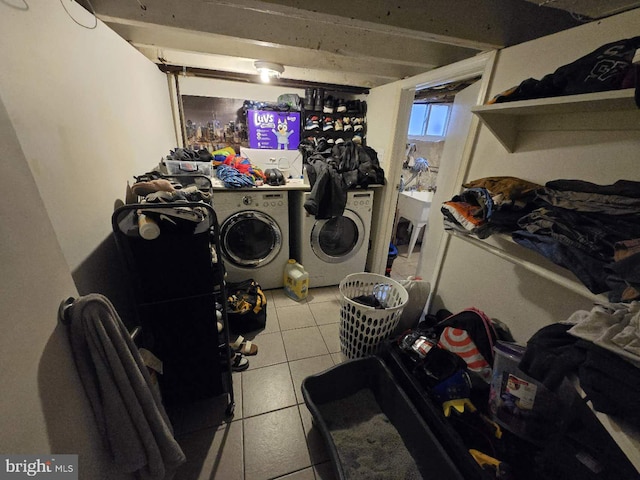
(327, 123)
(240, 348)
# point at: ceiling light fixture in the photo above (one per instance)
(268, 70)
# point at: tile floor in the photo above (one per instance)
(404, 267)
(271, 434)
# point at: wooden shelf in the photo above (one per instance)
(625, 435)
(611, 110)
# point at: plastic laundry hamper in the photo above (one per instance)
(364, 328)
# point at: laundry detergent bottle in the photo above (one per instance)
(296, 280)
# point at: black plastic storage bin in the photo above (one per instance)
(369, 376)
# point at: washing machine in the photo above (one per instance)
(254, 235)
(333, 248)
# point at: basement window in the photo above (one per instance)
(429, 121)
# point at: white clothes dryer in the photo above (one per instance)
(254, 235)
(333, 248)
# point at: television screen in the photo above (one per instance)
(273, 130)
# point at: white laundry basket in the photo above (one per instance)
(364, 328)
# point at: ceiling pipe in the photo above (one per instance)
(248, 78)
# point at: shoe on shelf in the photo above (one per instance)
(329, 105)
(358, 138)
(346, 124)
(331, 141)
(312, 123)
(327, 124)
(341, 105)
(337, 125)
(144, 188)
(339, 140)
(319, 99)
(309, 98)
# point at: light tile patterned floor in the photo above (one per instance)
(271, 435)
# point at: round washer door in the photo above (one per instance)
(337, 239)
(250, 239)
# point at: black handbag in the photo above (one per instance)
(247, 307)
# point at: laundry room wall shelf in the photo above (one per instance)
(611, 110)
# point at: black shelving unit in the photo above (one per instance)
(177, 279)
(348, 127)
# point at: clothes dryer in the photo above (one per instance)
(254, 235)
(331, 249)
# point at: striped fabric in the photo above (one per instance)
(459, 342)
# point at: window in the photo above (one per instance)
(429, 120)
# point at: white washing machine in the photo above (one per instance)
(254, 234)
(331, 249)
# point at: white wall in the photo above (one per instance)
(472, 277)
(80, 113)
(42, 404)
(89, 110)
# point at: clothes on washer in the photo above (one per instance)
(332, 171)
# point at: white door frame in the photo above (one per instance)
(479, 65)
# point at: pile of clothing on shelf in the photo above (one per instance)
(609, 67)
(600, 347)
(332, 170)
(592, 230)
(489, 205)
(287, 102)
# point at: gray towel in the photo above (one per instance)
(129, 413)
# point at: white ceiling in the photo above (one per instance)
(346, 42)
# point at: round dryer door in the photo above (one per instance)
(250, 239)
(337, 239)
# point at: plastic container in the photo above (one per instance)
(296, 280)
(179, 167)
(523, 405)
(364, 328)
(337, 395)
(147, 227)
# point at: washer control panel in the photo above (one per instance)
(244, 200)
(360, 200)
